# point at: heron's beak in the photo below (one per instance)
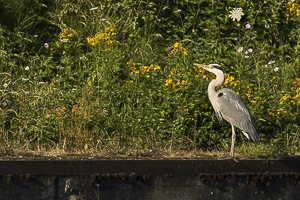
(203, 66)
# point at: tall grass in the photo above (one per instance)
(119, 76)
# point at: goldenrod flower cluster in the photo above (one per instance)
(177, 47)
(229, 81)
(295, 84)
(128, 84)
(293, 8)
(67, 34)
(295, 88)
(143, 69)
(175, 80)
(248, 90)
(132, 67)
(106, 36)
(289, 99)
(284, 98)
(147, 69)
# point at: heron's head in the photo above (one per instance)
(213, 68)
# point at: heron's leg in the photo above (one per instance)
(232, 141)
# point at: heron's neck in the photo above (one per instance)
(215, 83)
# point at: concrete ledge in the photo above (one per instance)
(155, 167)
(150, 179)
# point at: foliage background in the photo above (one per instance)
(119, 75)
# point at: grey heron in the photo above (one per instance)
(230, 106)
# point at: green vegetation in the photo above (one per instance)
(118, 76)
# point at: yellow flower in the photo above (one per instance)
(177, 47)
(88, 39)
(168, 82)
(293, 8)
(156, 67)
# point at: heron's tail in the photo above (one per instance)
(253, 136)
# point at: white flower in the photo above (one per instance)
(103, 19)
(46, 45)
(65, 40)
(292, 0)
(240, 49)
(246, 52)
(26, 68)
(271, 62)
(204, 76)
(41, 83)
(276, 69)
(266, 65)
(250, 50)
(5, 85)
(248, 26)
(267, 25)
(246, 56)
(35, 36)
(95, 8)
(236, 14)
(3, 53)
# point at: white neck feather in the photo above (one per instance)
(212, 93)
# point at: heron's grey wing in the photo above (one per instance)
(234, 110)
